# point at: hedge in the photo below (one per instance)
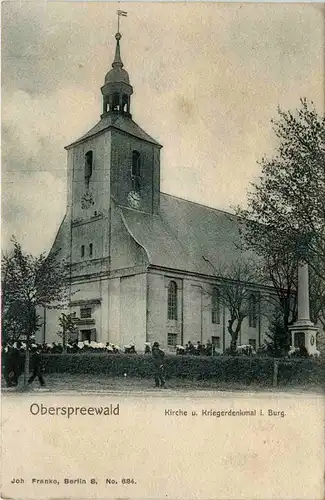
(302, 372)
(239, 369)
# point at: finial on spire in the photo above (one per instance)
(117, 90)
(119, 14)
(117, 59)
(117, 63)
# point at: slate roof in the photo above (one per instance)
(183, 233)
(123, 123)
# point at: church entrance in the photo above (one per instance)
(88, 335)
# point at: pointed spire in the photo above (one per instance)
(117, 63)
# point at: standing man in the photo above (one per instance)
(36, 367)
(158, 359)
(208, 348)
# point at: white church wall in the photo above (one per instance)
(86, 234)
(157, 309)
(198, 324)
(52, 325)
(159, 326)
(114, 295)
(104, 312)
(49, 320)
(133, 307)
(215, 331)
(85, 291)
(192, 311)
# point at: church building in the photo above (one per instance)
(140, 260)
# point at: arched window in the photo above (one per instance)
(82, 251)
(105, 104)
(215, 310)
(90, 250)
(116, 102)
(172, 300)
(88, 167)
(125, 103)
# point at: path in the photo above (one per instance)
(100, 384)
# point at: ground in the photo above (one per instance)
(101, 384)
(157, 436)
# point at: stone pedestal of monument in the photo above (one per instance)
(303, 327)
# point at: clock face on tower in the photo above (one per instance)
(134, 199)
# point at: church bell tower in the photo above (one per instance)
(115, 163)
(117, 90)
(113, 173)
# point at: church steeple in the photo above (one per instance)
(117, 63)
(117, 89)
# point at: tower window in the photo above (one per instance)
(88, 167)
(115, 102)
(172, 300)
(82, 250)
(125, 103)
(215, 311)
(135, 171)
(90, 250)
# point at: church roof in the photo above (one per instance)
(119, 122)
(184, 233)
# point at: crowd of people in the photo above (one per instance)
(13, 360)
(13, 356)
(199, 349)
(13, 364)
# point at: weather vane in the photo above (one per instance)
(119, 14)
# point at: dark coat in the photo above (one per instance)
(158, 356)
(35, 361)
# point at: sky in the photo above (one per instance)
(207, 79)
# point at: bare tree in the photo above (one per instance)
(238, 285)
